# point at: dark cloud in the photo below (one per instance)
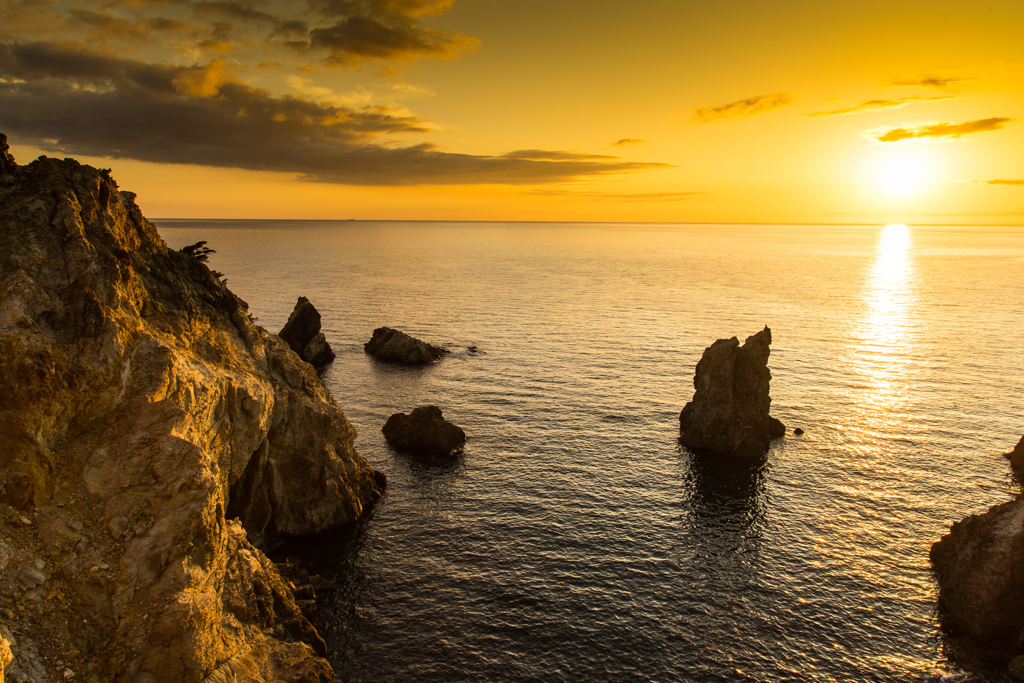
(628, 141)
(102, 26)
(875, 105)
(934, 130)
(759, 104)
(233, 10)
(360, 37)
(66, 98)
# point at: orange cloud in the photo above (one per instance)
(875, 105)
(931, 81)
(759, 104)
(628, 141)
(998, 181)
(934, 130)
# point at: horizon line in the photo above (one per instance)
(585, 222)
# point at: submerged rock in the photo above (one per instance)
(424, 431)
(154, 440)
(398, 347)
(302, 332)
(1016, 457)
(729, 410)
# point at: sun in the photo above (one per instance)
(901, 172)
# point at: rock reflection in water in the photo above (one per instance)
(724, 517)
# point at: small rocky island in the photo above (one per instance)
(424, 432)
(979, 565)
(302, 332)
(395, 346)
(153, 442)
(729, 413)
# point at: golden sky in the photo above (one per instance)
(561, 110)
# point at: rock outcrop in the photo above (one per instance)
(424, 431)
(302, 332)
(1016, 457)
(395, 346)
(152, 441)
(729, 413)
(981, 576)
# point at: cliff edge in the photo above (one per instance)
(153, 441)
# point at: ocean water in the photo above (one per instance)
(575, 540)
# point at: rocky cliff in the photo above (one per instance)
(981, 578)
(152, 441)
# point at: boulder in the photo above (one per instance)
(154, 443)
(302, 332)
(1016, 457)
(1016, 668)
(729, 410)
(981, 576)
(424, 431)
(397, 347)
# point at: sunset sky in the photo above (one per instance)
(654, 110)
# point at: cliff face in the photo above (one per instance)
(141, 411)
(981, 576)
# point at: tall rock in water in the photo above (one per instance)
(302, 332)
(152, 439)
(731, 402)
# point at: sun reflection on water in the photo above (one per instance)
(886, 334)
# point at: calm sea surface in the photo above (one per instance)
(575, 539)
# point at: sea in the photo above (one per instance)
(574, 539)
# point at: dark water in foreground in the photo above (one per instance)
(574, 539)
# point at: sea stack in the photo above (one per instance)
(153, 441)
(424, 432)
(729, 413)
(394, 346)
(302, 332)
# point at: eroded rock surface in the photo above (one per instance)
(1016, 457)
(729, 413)
(424, 431)
(981, 576)
(397, 347)
(302, 332)
(140, 412)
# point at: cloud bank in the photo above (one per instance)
(759, 104)
(171, 81)
(624, 142)
(934, 130)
